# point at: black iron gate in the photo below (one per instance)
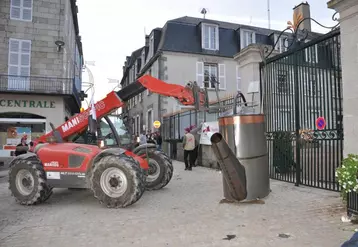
(299, 87)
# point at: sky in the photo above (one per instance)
(112, 29)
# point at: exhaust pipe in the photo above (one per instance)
(234, 175)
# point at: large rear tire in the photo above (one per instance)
(117, 181)
(28, 181)
(160, 170)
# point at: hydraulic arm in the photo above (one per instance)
(187, 95)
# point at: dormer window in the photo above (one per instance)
(281, 45)
(210, 36)
(151, 47)
(248, 37)
(143, 58)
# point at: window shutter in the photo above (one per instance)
(222, 78)
(14, 57)
(25, 58)
(238, 79)
(217, 38)
(253, 37)
(199, 73)
(202, 36)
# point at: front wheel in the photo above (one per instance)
(117, 181)
(27, 182)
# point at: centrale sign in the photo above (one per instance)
(27, 103)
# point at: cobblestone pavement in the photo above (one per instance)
(186, 213)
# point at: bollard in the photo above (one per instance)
(245, 135)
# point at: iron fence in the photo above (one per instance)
(174, 125)
(39, 85)
(299, 87)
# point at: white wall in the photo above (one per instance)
(182, 68)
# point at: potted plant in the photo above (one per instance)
(347, 175)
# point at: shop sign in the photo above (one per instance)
(27, 103)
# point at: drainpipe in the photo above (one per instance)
(161, 77)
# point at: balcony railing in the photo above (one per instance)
(38, 85)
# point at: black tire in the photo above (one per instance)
(40, 192)
(126, 167)
(160, 170)
(170, 166)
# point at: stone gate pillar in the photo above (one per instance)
(348, 12)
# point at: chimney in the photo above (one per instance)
(304, 8)
(147, 40)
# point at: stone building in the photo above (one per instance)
(40, 67)
(195, 49)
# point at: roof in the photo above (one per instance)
(184, 35)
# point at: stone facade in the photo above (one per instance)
(51, 21)
(348, 12)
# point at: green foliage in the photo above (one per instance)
(347, 175)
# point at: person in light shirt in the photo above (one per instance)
(189, 146)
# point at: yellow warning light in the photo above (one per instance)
(82, 109)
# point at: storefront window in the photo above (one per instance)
(11, 133)
(14, 125)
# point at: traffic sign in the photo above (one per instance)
(320, 123)
(156, 124)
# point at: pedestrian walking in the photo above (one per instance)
(142, 138)
(189, 146)
(159, 140)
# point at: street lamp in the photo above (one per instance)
(115, 81)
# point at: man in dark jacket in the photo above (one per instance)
(22, 148)
(159, 141)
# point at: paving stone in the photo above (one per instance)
(185, 213)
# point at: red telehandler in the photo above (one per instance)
(118, 177)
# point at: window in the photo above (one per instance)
(238, 79)
(149, 73)
(282, 83)
(151, 47)
(313, 88)
(138, 129)
(210, 37)
(281, 45)
(106, 132)
(311, 54)
(247, 38)
(135, 100)
(150, 120)
(134, 71)
(130, 75)
(208, 74)
(19, 64)
(143, 58)
(21, 10)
